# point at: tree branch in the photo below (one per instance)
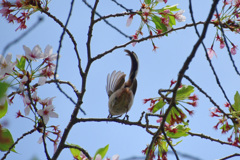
(181, 74)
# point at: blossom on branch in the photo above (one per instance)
(179, 16)
(33, 55)
(211, 52)
(6, 66)
(129, 20)
(234, 49)
(47, 112)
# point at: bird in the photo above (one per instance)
(121, 94)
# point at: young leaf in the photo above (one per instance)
(75, 152)
(6, 140)
(3, 109)
(158, 105)
(147, 1)
(172, 20)
(184, 92)
(158, 23)
(171, 8)
(21, 64)
(3, 89)
(181, 132)
(236, 104)
(175, 115)
(101, 151)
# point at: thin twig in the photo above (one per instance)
(208, 59)
(166, 138)
(211, 139)
(144, 39)
(128, 10)
(24, 34)
(203, 92)
(121, 121)
(114, 27)
(230, 156)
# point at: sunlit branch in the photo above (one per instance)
(211, 139)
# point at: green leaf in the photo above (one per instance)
(21, 64)
(3, 109)
(6, 140)
(181, 132)
(147, 1)
(3, 89)
(184, 92)
(172, 8)
(101, 151)
(75, 152)
(158, 23)
(158, 105)
(172, 20)
(236, 104)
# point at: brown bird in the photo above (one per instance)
(121, 93)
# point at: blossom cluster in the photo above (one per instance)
(223, 122)
(20, 10)
(173, 125)
(21, 73)
(163, 19)
(228, 19)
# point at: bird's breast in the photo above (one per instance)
(120, 101)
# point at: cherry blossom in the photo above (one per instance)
(33, 55)
(165, 1)
(48, 56)
(43, 136)
(6, 66)
(46, 101)
(23, 82)
(211, 52)
(114, 157)
(47, 112)
(27, 104)
(129, 20)
(179, 16)
(233, 50)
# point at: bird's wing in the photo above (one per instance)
(134, 86)
(114, 82)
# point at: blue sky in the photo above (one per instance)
(156, 71)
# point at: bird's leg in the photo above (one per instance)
(126, 117)
(109, 116)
